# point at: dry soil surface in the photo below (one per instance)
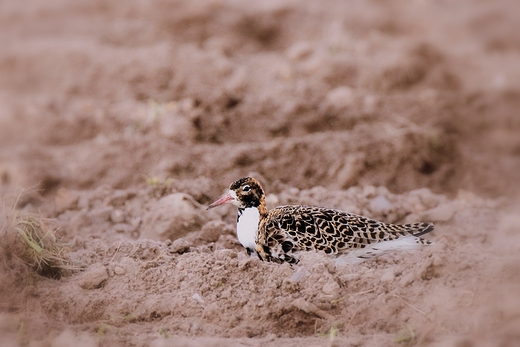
(121, 121)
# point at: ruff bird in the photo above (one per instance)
(283, 233)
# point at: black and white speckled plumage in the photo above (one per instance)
(285, 231)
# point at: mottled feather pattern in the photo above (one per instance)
(281, 234)
(288, 230)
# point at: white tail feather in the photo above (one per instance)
(357, 256)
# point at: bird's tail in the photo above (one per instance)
(409, 240)
(419, 229)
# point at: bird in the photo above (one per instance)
(284, 233)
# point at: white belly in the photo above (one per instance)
(247, 227)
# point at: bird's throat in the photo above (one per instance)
(247, 226)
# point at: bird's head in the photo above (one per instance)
(245, 192)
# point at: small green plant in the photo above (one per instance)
(164, 333)
(158, 108)
(406, 336)
(333, 332)
(330, 335)
(157, 182)
(102, 330)
(22, 333)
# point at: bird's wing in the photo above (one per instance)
(286, 230)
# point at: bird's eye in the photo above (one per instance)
(246, 188)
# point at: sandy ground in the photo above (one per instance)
(121, 121)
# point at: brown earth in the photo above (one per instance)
(122, 120)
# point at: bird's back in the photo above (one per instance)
(287, 230)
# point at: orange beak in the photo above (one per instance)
(224, 199)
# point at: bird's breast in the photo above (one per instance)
(247, 227)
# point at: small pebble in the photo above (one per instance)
(119, 270)
(117, 216)
(331, 288)
(179, 246)
(94, 277)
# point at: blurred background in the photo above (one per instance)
(121, 120)
(404, 94)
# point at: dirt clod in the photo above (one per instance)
(94, 277)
